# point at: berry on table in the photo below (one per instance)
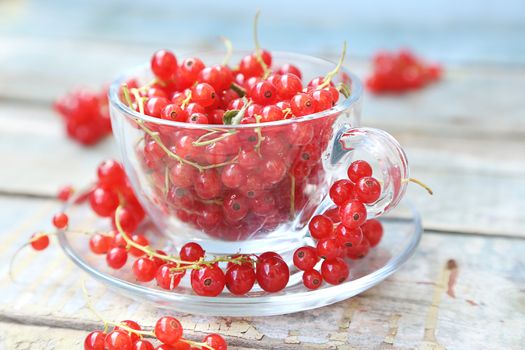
(39, 241)
(117, 340)
(168, 330)
(215, 341)
(95, 341)
(60, 220)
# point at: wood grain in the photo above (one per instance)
(412, 309)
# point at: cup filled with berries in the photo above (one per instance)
(240, 156)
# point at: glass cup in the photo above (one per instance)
(251, 188)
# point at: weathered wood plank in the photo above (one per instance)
(441, 292)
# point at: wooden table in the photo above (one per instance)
(463, 289)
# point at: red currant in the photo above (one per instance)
(312, 279)
(95, 341)
(133, 325)
(348, 237)
(271, 113)
(100, 243)
(144, 269)
(103, 201)
(341, 191)
(288, 86)
(335, 271)
(272, 274)
(207, 184)
(167, 277)
(190, 69)
(321, 227)
(263, 93)
(233, 176)
(155, 106)
(328, 249)
(117, 340)
(373, 231)
(305, 258)
(215, 341)
(60, 220)
(174, 112)
(168, 330)
(208, 281)
(359, 251)
(116, 257)
(140, 240)
(290, 68)
(235, 207)
(143, 345)
(368, 189)
(164, 64)
(353, 214)
(240, 278)
(302, 104)
(39, 241)
(191, 251)
(359, 169)
(204, 94)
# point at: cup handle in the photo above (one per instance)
(383, 152)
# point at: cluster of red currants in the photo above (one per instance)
(128, 335)
(342, 231)
(192, 92)
(401, 71)
(231, 183)
(86, 115)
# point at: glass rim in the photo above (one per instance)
(342, 105)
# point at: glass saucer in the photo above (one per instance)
(402, 233)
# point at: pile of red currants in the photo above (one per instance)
(343, 230)
(128, 335)
(85, 115)
(401, 71)
(232, 183)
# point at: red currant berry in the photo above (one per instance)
(373, 231)
(288, 86)
(182, 175)
(240, 278)
(305, 258)
(348, 237)
(190, 69)
(143, 345)
(333, 214)
(144, 269)
(155, 106)
(272, 274)
(198, 118)
(250, 67)
(302, 104)
(204, 94)
(130, 324)
(359, 169)
(321, 227)
(328, 249)
(233, 176)
(168, 330)
(95, 341)
(39, 241)
(235, 207)
(191, 251)
(215, 341)
(353, 214)
(273, 170)
(164, 64)
(103, 201)
(263, 204)
(263, 93)
(271, 114)
(341, 191)
(368, 189)
(167, 277)
(290, 68)
(335, 271)
(312, 279)
(174, 113)
(117, 340)
(249, 159)
(193, 108)
(64, 193)
(323, 100)
(100, 243)
(267, 255)
(359, 251)
(207, 184)
(127, 218)
(60, 220)
(116, 257)
(208, 281)
(111, 173)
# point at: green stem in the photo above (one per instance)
(238, 89)
(330, 75)
(258, 56)
(292, 197)
(199, 143)
(229, 50)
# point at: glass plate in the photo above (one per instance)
(402, 233)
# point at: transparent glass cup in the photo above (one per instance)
(251, 187)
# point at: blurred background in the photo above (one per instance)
(457, 132)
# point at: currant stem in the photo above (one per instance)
(418, 182)
(258, 56)
(344, 89)
(196, 344)
(330, 75)
(186, 101)
(200, 143)
(182, 265)
(292, 197)
(260, 138)
(229, 50)
(238, 89)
